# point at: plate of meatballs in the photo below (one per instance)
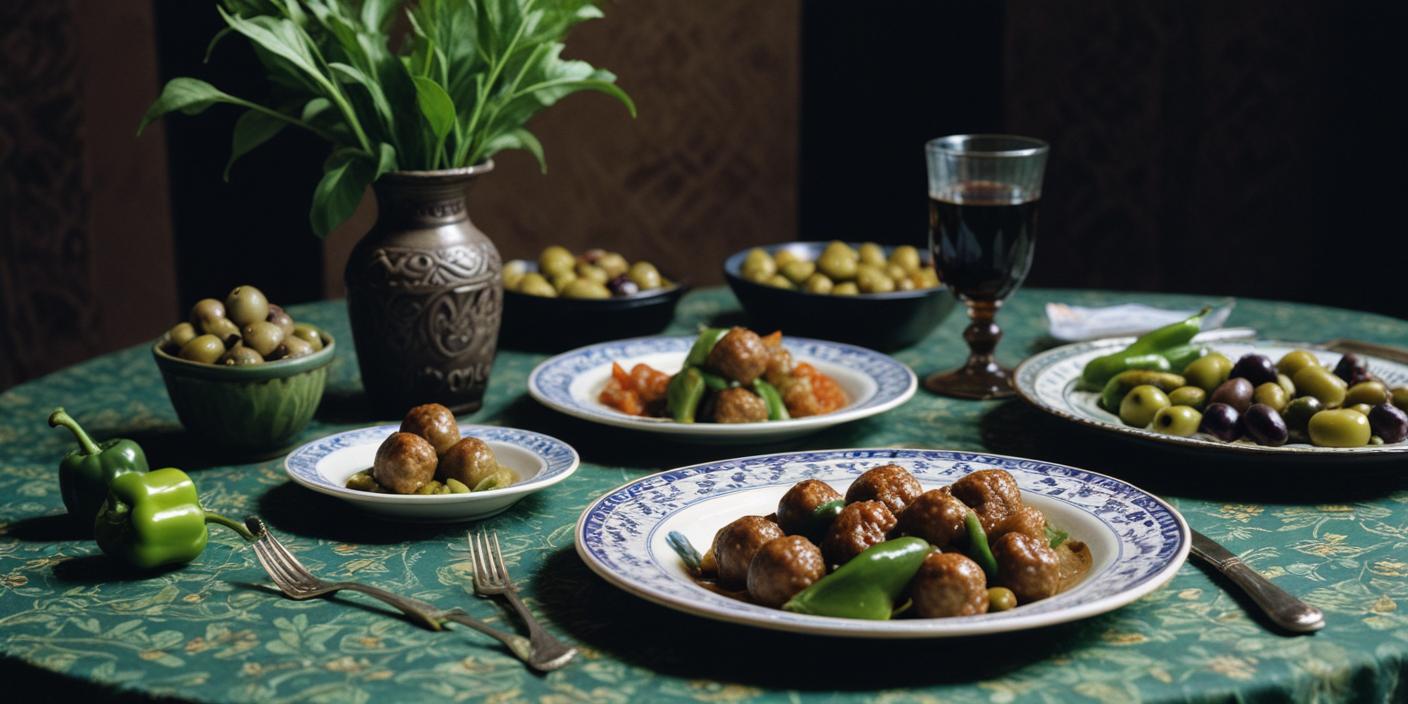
(724, 385)
(884, 543)
(432, 468)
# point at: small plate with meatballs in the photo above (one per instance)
(432, 468)
(884, 543)
(724, 385)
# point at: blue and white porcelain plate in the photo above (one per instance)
(538, 461)
(572, 381)
(1048, 381)
(1136, 540)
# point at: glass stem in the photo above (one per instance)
(982, 334)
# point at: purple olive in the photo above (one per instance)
(1236, 393)
(1264, 425)
(1256, 368)
(1221, 421)
(1389, 422)
(623, 286)
(1352, 369)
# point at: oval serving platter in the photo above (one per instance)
(538, 460)
(1137, 540)
(1048, 379)
(570, 383)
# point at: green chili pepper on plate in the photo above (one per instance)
(684, 393)
(155, 519)
(1183, 355)
(867, 586)
(86, 471)
(777, 410)
(978, 547)
(703, 345)
(1098, 371)
(713, 381)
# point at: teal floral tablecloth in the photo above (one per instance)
(1338, 535)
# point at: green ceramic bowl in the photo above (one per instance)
(251, 410)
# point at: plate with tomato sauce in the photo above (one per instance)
(820, 384)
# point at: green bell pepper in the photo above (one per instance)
(978, 547)
(1099, 370)
(777, 410)
(684, 393)
(155, 519)
(713, 381)
(86, 471)
(868, 585)
(703, 345)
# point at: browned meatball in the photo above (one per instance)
(404, 463)
(469, 462)
(779, 369)
(891, 484)
(949, 584)
(794, 511)
(1027, 520)
(435, 423)
(740, 355)
(735, 545)
(739, 405)
(936, 517)
(860, 525)
(783, 567)
(1027, 566)
(992, 494)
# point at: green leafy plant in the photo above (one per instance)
(466, 78)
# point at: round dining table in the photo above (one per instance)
(1335, 534)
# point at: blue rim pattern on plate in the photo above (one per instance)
(552, 381)
(615, 534)
(558, 457)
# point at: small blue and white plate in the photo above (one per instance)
(537, 460)
(1136, 540)
(572, 381)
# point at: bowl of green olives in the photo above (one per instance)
(242, 374)
(564, 300)
(885, 298)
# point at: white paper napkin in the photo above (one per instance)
(1076, 323)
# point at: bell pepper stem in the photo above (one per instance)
(236, 526)
(60, 418)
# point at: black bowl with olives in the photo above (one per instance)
(881, 297)
(564, 300)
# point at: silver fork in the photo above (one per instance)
(296, 582)
(491, 578)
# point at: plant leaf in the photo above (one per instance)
(251, 130)
(189, 95)
(436, 106)
(386, 160)
(345, 180)
(519, 138)
(373, 89)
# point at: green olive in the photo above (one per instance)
(513, 273)
(592, 272)
(363, 481)
(872, 254)
(837, 265)
(848, 288)
(205, 349)
(1372, 393)
(561, 280)
(1319, 382)
(291, 348)
(1177, 420)
(1208, 372)
(928, 277)
(613, 264)
(430, 487)
(1299, 411)
(309, 334)
(758, 266)
(262, 336)
(841, 248)
(818, 283)
(798, 272)
(1271, 394)
(245, 305)
(895, 272)
(533, 284)
(1360, 407)
(280, 318)
(1141, 404)
(1339, 428)
(1296, 360)
(206, 309)
(783, 257)
(239, 356)
(1287, 384)
(223, 328)
(872, 280)
(906, 283)
(585, 288)
(1001, 599)
(555, 260)
(645, 275)
(780, 281)
(1400, 397)
(906, 257)
(180, 334)
(1191, 396)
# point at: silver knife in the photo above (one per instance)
(1284, 610)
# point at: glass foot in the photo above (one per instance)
(981, 382)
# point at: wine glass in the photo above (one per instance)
(983, 195)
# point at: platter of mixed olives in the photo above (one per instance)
(430, 467)
(242, 329)
(595, 274)
(840, 270)
(1262, 397)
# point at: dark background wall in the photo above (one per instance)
(1247, 148)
